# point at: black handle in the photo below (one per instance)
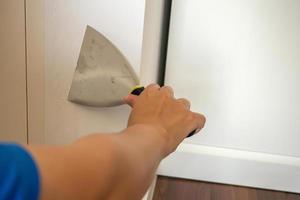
(139, 89)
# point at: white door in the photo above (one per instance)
(13, 115)
(238, 61)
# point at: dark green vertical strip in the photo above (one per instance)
(164, 41)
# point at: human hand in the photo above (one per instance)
(171, 117)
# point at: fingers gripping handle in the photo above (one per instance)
(139, 89)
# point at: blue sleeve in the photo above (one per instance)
(19, 178)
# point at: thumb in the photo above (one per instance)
(130, 99)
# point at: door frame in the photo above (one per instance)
(155, 35)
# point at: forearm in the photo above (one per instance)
(74, 171)
(142, 149)
(101, 166)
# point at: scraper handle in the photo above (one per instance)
(139, 89)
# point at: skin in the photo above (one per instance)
(122, 165)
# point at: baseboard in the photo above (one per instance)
(230, 166)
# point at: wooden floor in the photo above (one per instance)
(179, 189)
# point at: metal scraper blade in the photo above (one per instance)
(103, 76)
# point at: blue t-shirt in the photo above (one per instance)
(19, 178)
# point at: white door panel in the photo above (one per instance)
(238, 61)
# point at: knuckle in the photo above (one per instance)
(163, 95)
(184, 102)
(166, 94)
(202, 118)
(191, 117)
(180, 105)
(167, 90)
(153, 85)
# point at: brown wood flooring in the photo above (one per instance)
(180, 189)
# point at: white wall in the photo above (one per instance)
(65, 22)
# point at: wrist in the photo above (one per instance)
(155, 134)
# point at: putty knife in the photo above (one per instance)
(103, 76)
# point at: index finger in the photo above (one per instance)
(199, 121)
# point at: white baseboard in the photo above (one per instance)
(230, 166)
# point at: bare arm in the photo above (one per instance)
(118, 166)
